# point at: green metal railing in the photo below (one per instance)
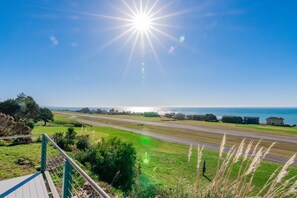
(67, 178)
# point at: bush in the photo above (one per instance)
(30, 124)
(169, 115)
(196, 117)
(113, 161)
(58, 138)
(70, 136)
(210, 118)
(64, 142)
(77, 124)
(39, 139)
(2, 143)
(232, 119)
(82, 142)
(151, 114)
(179, 116)
(145, 187)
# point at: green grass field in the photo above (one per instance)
(281, 149)
(278, 130)
(165, 163)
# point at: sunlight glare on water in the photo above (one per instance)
(141, 109)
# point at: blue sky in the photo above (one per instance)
(234, 53)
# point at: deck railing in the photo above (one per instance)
(65, 178)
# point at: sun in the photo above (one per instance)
(142, 22)
(144, 25)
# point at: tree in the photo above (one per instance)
(29, 108)
(10, 107)
(85, 110)
(45, 115)
(22, 108)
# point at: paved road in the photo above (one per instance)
(243, 134)
(167, 138)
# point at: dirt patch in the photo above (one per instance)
(24, 161)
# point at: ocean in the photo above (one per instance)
(289, 114)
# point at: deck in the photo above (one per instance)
(70, 180)
(26, 186)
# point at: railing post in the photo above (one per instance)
(43, 153)
(67, 180)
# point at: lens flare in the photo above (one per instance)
(182, 39)
(145, 158)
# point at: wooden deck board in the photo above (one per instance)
(35, 188)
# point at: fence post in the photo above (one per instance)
(67, 180)
(43, 153)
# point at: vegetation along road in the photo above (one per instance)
(101, 121)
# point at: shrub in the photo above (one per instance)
(58, 138)
(2, 143)
(30, 124)
(145, 187)
(83, 142)
(65, 142)
(151, 114)
(196, 117)
(77, 124)
(179, 116)
(210, 118)
(39, 139)
(232, 119)
(70, 136)
(114, 162)
(169, 115)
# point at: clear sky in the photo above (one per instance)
(205, 53)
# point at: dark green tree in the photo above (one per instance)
(10, 107)
(29, 109)
(22, 108)
(85, 110)
(45, 115)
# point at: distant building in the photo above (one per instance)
(251, 120)
(275, 121)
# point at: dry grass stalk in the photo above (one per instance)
(242, 186)
(190, 152)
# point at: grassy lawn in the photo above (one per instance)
(20, 160)
(165, 162)
(9, 155)
(256, 128)
(280, 149)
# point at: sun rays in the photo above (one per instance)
(144, 24)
